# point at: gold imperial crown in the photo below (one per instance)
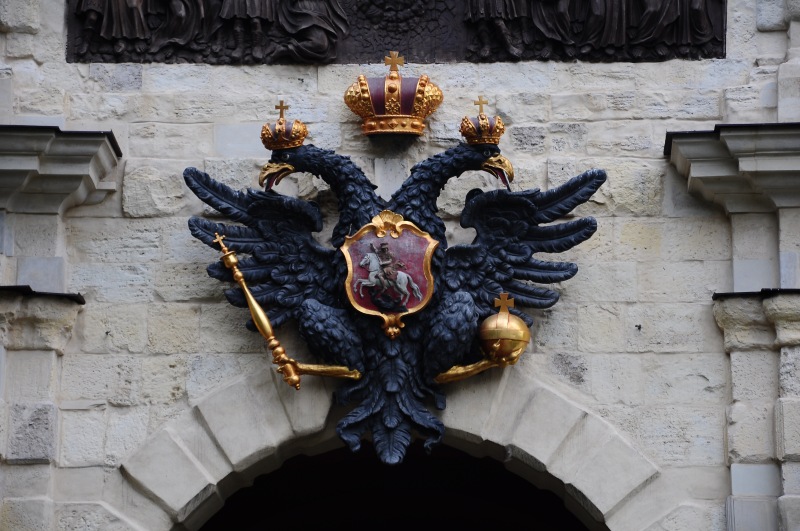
(391, 105)
(482, 129)
(278, 137)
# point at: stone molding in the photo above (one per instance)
(743, 168)
(44, 170)
(192, 464)
(765, 320)
(36, 323)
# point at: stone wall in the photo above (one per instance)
(628, 371)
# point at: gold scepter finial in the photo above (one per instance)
(289, 368)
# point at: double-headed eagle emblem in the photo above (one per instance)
(388, 306)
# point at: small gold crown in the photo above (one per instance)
(391, 105)
(277, 137)
(482, 129)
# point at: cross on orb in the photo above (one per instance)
(393, 60)
(281, 107)
(480, 102)
(504, 303)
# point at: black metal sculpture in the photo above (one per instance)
(349, 31)
(401, 365)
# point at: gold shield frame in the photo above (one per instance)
(384, 225)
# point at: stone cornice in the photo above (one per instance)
(743, 168)
(44, 170)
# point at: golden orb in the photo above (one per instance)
(504, 337)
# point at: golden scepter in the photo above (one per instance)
(288, 367)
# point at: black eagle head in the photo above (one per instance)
(487, 157)
(285, 162)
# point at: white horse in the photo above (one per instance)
(401, 283)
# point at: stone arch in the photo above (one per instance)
(194, 462)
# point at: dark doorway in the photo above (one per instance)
(448, 489)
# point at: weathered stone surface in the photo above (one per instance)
(784, 312)
(83, 434)
(113, 328)
(789, 512)
(750, 432)
(754, 375)
(22, 17)
(87, 517)
(685, 379)
(163, 378)
(683, 434)
(676, 328)
(787, 427)
(32, 433)
(78, 484)
(788, 373)
(755, 479)
(117, 379)
(124, 498)
(41, 323)
(149, 192)
(173, 328)
(126, 431)
(26, 481)
(744, 324)
(617, 378)
(30, 375)
(708, 516)
(27, 514)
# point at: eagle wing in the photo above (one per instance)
(286, 265)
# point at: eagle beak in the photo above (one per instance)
(272, 173)
(500, 167)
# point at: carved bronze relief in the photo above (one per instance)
(350, 31)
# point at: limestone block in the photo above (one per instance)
(88, 517)
(789, 512)
(45, 274)
(572, 369)
(602, 282)
(784, 312)
(38, 235)
(207, 371)
(594, 76)
(125, 499)
(528, 139)
(750, 103)
(680, 328)
(113, 282)
(625, 137)
(754, 375)
(707, 516)
(126, 431)
(27, 514)
(164, 378)
(614, 472)
(683, 435)
(523, 107)
(750, 432)
(46, 101)
(617, 378)
(790, 478)
(125, 77)
(114, 240)
(177, 78)
(789, 92)
(170, 140)
(30, 375)
(693, 281)
(542, 427)
(672, 488)
(468, 410)
(689, 239)
(113, 328)
(78, 484)
(6, 90)
(389, 175)
(787, 429)
(21, 17)
(27, 481)
(223, 316)
(306, 411)
(755, 480)
(789, 372)
(180, 247)
(601, 328)
(117, 379)
(744, 324)
(32, 433)
(634, 186)
(635, 240)
(190, 431)
(554, 329)
(173, 328)
(154, 468)
(82, 436)
(755, 251)
(581, 445)
(147, 192)
(685, 379)
(209, 107)
(247, 419)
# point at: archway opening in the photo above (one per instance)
(344, 490)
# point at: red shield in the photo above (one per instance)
(389, 269)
